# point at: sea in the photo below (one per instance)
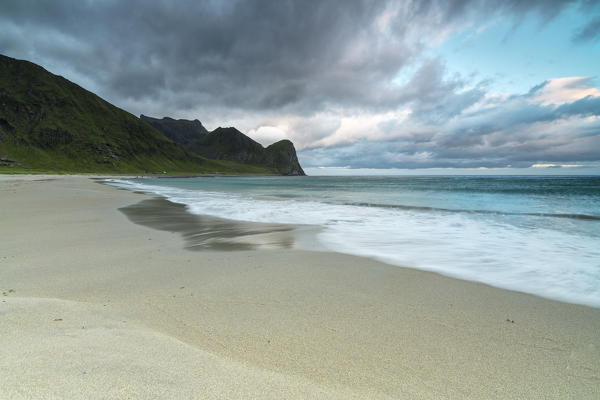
(533, 234)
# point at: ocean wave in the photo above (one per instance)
(470, 211)
(542, 259)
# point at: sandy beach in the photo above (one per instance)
(96, 306)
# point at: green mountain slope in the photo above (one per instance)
(50, 123)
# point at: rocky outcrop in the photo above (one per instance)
(284, 158)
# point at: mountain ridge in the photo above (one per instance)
(48, 123)
(180, 131)
(229, 144)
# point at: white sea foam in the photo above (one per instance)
(548, 262)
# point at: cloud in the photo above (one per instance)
(516, 131)
(351, 82)
(289, 56)
(564, 90)
(556, 166)
(590, 32)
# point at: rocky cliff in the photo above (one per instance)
(229, 144)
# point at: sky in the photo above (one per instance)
(359, 86)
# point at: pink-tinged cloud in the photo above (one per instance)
(566, 90)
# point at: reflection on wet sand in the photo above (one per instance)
(209, 233)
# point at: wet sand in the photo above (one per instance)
(202, 232)
(95, 306)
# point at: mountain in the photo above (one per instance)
(48, 123)
(180, 131)
(229, 144)
(285, 160)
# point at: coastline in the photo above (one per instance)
(116, 309)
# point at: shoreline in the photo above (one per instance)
(556, 288)
(284, 322)
(204, 232)
(158, 212)
(135, 176)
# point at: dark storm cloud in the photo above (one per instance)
(255, 55)
(306, 60)
(252, 55)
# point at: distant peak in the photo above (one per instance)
(229, 129)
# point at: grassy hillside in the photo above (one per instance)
(48, 123)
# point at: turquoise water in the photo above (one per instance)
(538, 235)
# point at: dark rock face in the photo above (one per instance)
(229, 144)
(181, 131)
(5, 125)
(285, 159)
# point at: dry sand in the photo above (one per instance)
(97, 307)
